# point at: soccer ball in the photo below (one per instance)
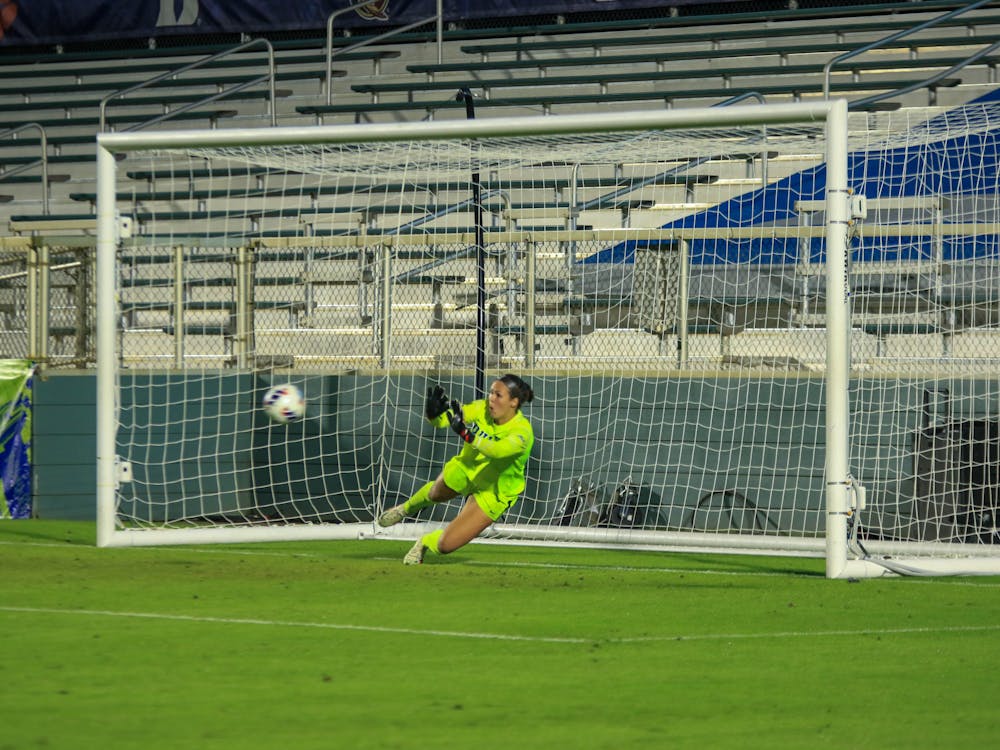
(284, 403)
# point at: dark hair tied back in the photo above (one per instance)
(519, 389)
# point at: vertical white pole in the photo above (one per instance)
(179, 315)
(530, 299)
(838, 340)
(440, 30)
(385, 313)
(684, 248)
(34, 308)
(107, 412)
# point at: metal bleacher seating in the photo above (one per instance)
(72, 95)
(677, 62)
(687, 66)
(55, 103)
(787, 31)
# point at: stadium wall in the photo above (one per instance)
(779, 421)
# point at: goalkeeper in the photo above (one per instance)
(489, 470)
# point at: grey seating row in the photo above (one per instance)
(166, 60)
(552, 183)
(603, 77)
(722, 32)
(661, 51)
(96, 89)
(545, 102)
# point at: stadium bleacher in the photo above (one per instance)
(565, 67)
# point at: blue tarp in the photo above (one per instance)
(937, 165)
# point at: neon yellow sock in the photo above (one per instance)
(430, 540)
(419, 501)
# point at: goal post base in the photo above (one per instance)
(654, 539)
(233, 534)
(883, 567)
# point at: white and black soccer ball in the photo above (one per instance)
(284, 403)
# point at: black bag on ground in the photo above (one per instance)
(580, 506)
(626, 506)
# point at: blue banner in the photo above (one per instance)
(15, 437)
(32, 22)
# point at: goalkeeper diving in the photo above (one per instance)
(488, 471)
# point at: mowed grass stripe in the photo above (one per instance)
(987, 582)
(318, 645)
(723, 570)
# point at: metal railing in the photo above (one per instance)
(858, 103)
(927, 82)
(330, 54)
(43, 161)
(33, 269)
(269, 78)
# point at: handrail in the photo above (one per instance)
(861, 103)
(827, 69)
(330, 54)
(761, 100)
(269, 77)
(44, 161)
(463, 253)
(682, 343)
(200, 102)
(602, 201)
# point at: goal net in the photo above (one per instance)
(760, 328)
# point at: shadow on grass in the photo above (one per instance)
(39, 530)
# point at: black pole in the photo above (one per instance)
(470, 114)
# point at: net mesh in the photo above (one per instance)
(663, 291)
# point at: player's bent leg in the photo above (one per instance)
(437, 491)
(427, 542)
(470, 522)
(432, 492)
(442, 490)
(416, 554)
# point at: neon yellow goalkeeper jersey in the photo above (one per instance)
(497, 457)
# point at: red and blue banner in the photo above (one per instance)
(34, 22)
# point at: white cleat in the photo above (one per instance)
(416, 554)
(392, 516)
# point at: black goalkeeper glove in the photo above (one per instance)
(458, 422)
(437, 402)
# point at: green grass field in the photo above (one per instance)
(338, 645)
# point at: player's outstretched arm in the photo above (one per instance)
(505, 448)
(457, 421)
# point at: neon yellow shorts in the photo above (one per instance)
(457, 478)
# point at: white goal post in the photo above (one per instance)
(724, 326)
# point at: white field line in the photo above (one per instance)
(291, 624)
(222, 550)
(859, 632)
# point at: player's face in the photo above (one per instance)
(502, 406)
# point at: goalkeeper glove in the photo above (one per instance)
(437, 402)
(458, 422)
